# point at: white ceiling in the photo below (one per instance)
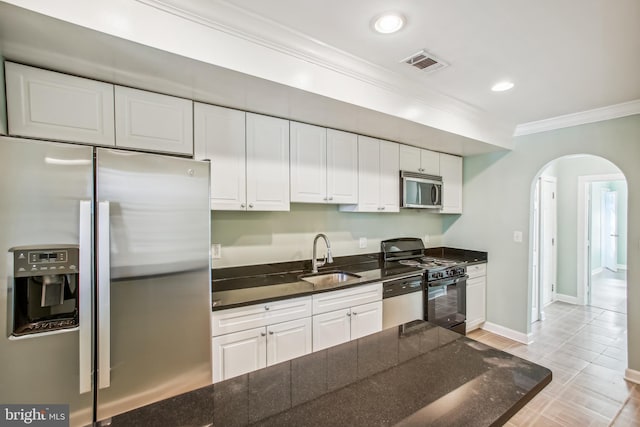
(321, 63)
(564, 56)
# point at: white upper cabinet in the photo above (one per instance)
(378, 176)
(417, 160)
(267, 163)
(249, 156)
(46, 104)
(153, 122)
(451, 171)
(219, 135)
(324, 165)
(342, 167)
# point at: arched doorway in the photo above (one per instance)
(569, 226)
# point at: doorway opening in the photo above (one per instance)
(591, 192)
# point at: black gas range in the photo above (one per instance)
(444, 280)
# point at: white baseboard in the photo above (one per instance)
(622, 266)
(567, 298)
(597, 271)
(474, 325)
(508, 333)
(632, 375)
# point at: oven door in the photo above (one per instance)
(447, 303)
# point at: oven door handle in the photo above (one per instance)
(447, 281)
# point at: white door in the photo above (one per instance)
(219, 135)
(548, 218)
(288, 340)
(267, 163)
(239, 353)
(366, 319)
(308, 163)
(331, 328)
(451, 172)
(610, 227)
(342, 167)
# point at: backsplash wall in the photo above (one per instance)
(262, 237)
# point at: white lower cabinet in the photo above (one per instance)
(476, 297)
(252, 337)
(345, 315)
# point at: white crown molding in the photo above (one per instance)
(590, 116)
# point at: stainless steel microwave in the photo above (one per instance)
(419, 190)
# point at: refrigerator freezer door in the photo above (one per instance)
(42, 186)
(160, 289)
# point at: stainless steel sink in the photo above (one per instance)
(331, 278)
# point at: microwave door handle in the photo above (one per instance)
(438, 200)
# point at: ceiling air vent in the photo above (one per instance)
(425, 61)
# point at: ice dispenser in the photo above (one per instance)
(45, 289)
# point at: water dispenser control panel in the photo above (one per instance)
(36, 262)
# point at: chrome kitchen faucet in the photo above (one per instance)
(328, 258)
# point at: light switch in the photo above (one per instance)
(517, 236)
(216, 251)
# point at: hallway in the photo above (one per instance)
(585, 347)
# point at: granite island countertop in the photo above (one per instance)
(413, 375)
(254, 284)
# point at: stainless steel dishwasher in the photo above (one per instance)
(403, 300)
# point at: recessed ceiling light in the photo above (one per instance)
(502, 86)
(388, 23)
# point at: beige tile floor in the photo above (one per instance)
(585, 348)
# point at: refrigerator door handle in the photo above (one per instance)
(104, 303)
(84, 295)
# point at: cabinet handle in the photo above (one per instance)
(331, 198)
(354, 313)
(382, 208)
(262, 334)
(325, 199)
(266, 307)
(349, 314)
(242, 205)
(270, 332)
(250, 205)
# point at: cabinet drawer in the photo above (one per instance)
(254, 316)
(337, 300)
(477, 270)
(476, 281)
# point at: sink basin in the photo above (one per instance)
(332, 278)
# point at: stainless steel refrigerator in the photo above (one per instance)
(107, 271)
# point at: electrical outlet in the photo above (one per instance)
(363, 242)
(517, 236)
(216, 251)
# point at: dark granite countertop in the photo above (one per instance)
(412, 375)
(254, 284)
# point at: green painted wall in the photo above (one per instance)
(261, 237)
(497, 200)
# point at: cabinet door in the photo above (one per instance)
(430, 162)
(476, 302)
(331, 329)
(239, 353)
(219, 135)
(267, 163)
(366, 319)
(410, 159)
(389, 176)
(288, 340)
(368, 174)
(451, 171)
(45, 104)
(308, 163)
(153, 122)
(342, 167)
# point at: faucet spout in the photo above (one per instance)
(328, 258)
